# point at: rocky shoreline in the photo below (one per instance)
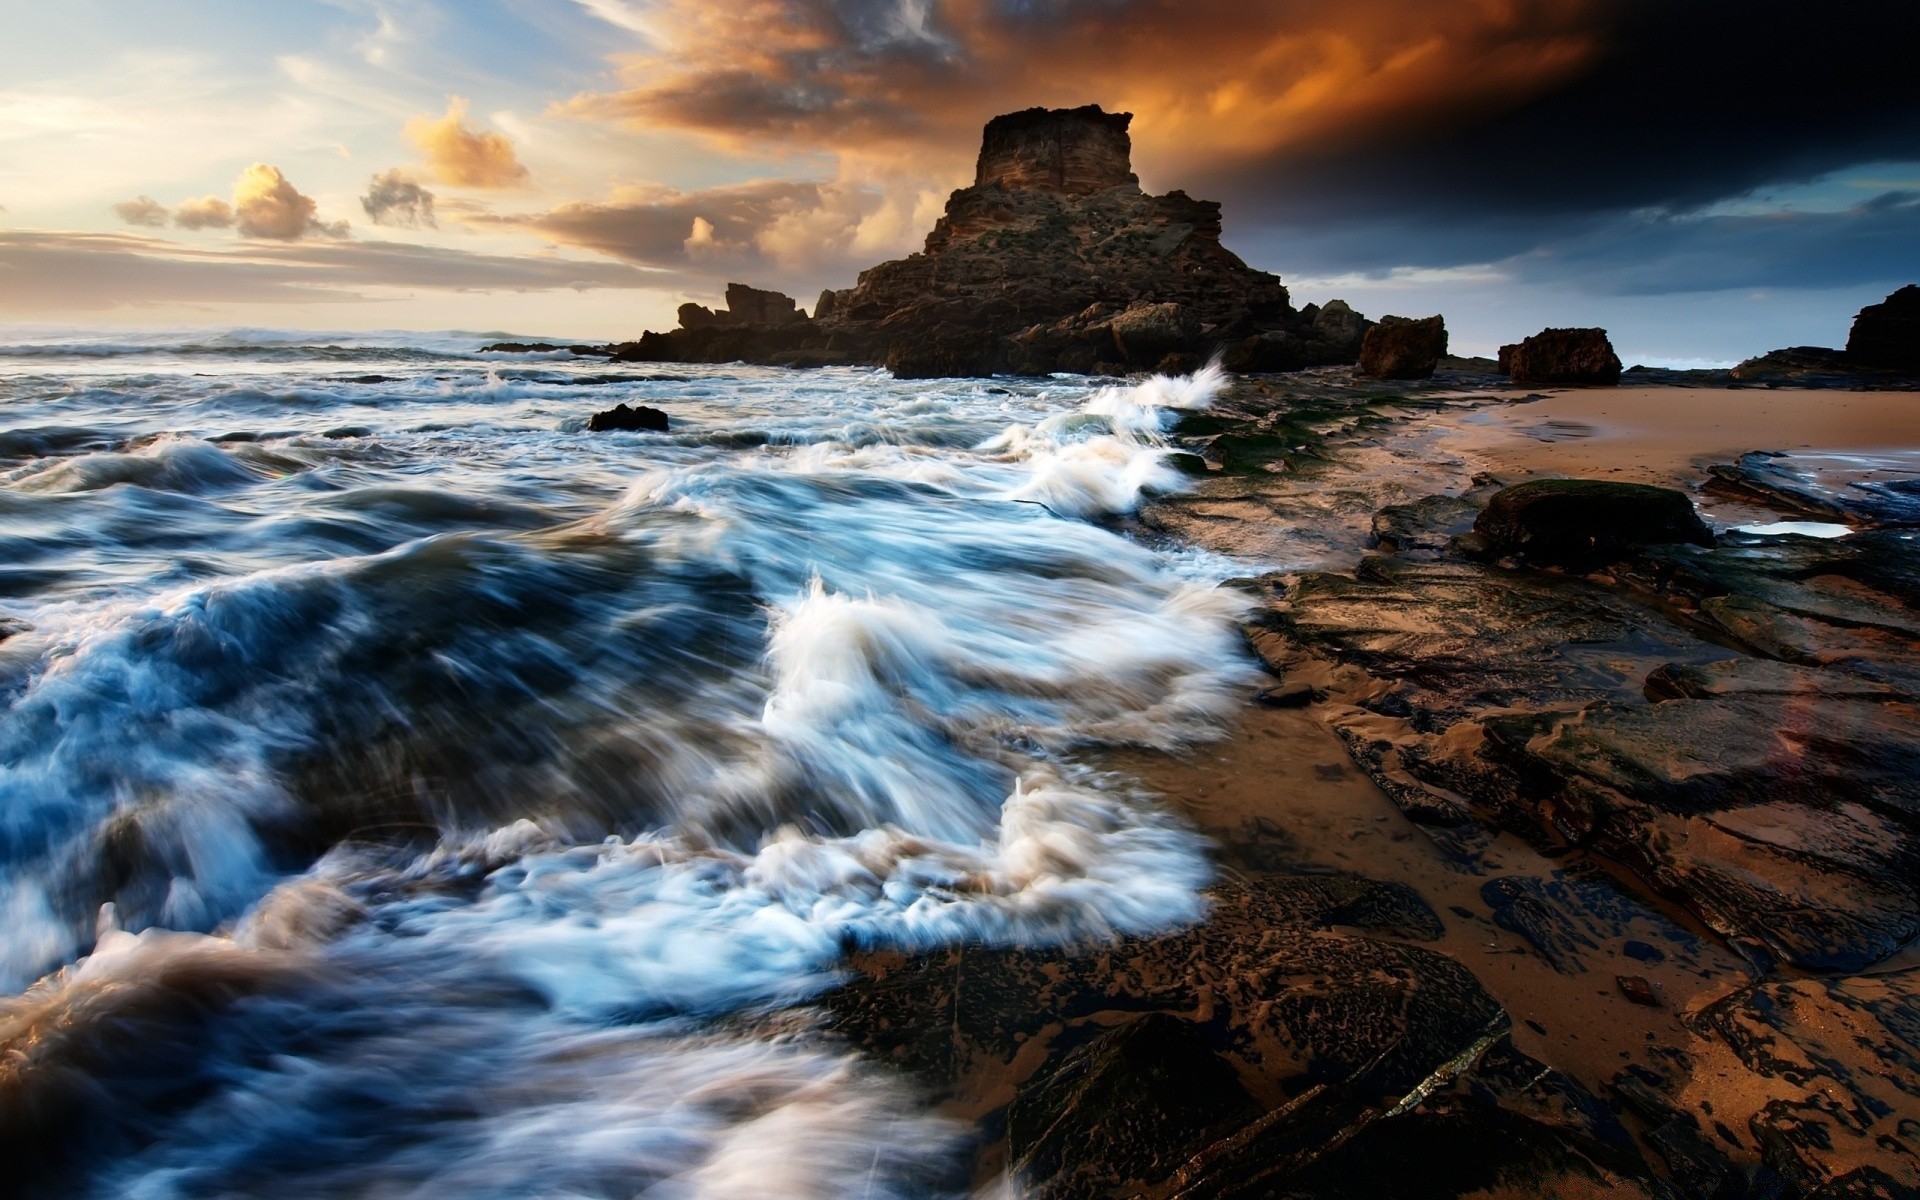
(1601, 882)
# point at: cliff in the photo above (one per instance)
(1053, 260)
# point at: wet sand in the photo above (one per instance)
(1668, 435)
(1280, 793)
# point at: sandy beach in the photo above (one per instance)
(1668, 435)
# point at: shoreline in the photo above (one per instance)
(1282, 798)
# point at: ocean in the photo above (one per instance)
(405, 792)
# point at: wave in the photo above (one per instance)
(478, 864)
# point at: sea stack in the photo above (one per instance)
(1053, 259)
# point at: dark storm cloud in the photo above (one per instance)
(1688, 103)
(1363, 136)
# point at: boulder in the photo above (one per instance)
(621, 419)
(1562, 357)
(1887, 334)
(1586, 522)
(1146, 333)
(1403, 348)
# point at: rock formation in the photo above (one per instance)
(745, 306)
(1403, 348)
(1562, 357)
(1887, 334)
(1883, 349)
(1054, 259)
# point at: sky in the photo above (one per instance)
(1708, 179)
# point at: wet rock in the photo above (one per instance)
(1280, 992)
(622, 419)
(1429, 523)
(10, 626)
(1887, 334)
(1577, 357)
(1585, 522)
(1129, 1107)
(1403, 348)
(1824, 488)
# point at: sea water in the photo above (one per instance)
(405, 792)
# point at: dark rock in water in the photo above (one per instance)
(1583, 522)
(1403, 348)
(1135, 1103)
(543, 348)
(1887, 334)
(1053, 260)
(1562, 357)
(12, 625)
(621, 419)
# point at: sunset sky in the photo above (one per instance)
(1707, 178)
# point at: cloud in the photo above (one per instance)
(267, 205)
(141, 210)
(1209, 79)
(464, 157)
(1359, 137)
(93, 273)
(394, 199)
(208, 212)
(796, 235)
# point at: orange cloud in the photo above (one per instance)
(1207, 79)
(267, 205)
(464, 157)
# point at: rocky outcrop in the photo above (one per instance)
(1053, 260)
(1887, 335)
(1883, 351)
(1403, 348)
(745, 306)
(1562, 357)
